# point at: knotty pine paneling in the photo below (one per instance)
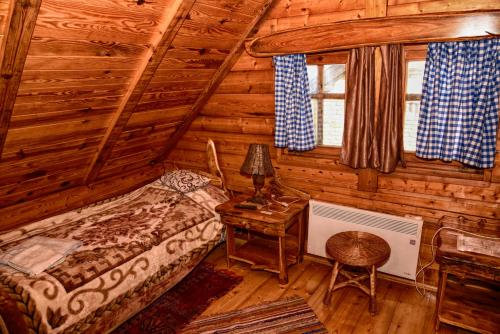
(226, 105)
(242, 112)
(42, 95)
(47, 118)
(274, 25)
(154, 117)
(79, 77)
(252, 125)
(81, 59)
(247, 82)
(199, 49)
(76, 197)
(41, 134)
(239, 11)
(166, 76)
(293, 8)
(35, 110)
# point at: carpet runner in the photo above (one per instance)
(183, 302)
(291, 315)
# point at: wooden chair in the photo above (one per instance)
(218, 178)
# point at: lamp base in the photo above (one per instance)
(257, 200)
(258, 183)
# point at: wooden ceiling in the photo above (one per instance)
(95, 88)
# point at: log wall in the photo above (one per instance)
(242, 112)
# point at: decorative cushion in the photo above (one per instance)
(184, 180)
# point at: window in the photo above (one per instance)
(413, 96)
(327, 84)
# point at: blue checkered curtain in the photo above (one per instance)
(294, 116)
(459, 110)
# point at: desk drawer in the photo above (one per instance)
(255, 225)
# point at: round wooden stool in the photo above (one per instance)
(359, 249)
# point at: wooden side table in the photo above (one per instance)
(359, 249)
(275, 255)
(468, 293)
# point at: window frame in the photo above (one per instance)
(327, 157)
(321, 60)
(321, 151)
(416, 52)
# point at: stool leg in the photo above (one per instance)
(373, 300)
(335, 272)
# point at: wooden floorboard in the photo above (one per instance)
(400, 308)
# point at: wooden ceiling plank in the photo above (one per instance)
(151, 62)
(376, 31)
(23, 15)
(213, 84)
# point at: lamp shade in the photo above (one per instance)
(258, 161)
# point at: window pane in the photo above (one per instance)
(312, 74)
(334, 78)
(314, 105)
(415, 77)
(333, 122)
(412, 109)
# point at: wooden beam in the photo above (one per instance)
(21, 25)
(216, 80)
(173, 20)
(378, 31)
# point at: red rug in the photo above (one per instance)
(182, 303)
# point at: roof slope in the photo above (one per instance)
(106, 83)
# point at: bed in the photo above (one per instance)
(134, 248)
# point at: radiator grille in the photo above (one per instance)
(360, 217)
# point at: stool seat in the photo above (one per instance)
(356, 248)
(359, 249)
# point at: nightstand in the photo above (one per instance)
(275, 255)
(468, 294)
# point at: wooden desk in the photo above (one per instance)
(469, 283)
(270, 255)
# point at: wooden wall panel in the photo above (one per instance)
(76, 197)
(82, 57)
(414, 7)
(242, 112)
(204, 43)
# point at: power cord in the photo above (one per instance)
(433, 252)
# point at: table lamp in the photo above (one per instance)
(258, 164)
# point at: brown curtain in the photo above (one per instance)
(358, 141)
(373, 126)
(390, 108)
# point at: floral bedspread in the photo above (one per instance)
(128, 240)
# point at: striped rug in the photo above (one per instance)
(291, 315)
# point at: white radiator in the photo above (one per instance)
(401, 233)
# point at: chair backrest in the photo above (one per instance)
(213, 164)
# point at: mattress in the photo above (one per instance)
(134, 247)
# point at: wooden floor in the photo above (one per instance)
(400, 308)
